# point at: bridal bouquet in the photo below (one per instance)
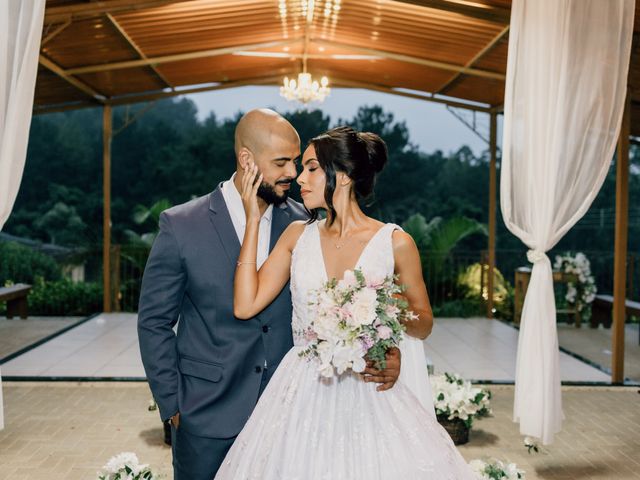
(126, 466)
(355, 319)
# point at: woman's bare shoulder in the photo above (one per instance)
(292, 233)
(403, 242)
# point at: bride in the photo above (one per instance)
(308, 427)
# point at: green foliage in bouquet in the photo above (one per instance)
(377, 353)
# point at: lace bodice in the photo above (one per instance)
(308, 270)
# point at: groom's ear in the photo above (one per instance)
(244, 157)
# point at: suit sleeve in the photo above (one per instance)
(163, 286)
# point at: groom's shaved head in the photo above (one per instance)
(259, 128)
(267, 139)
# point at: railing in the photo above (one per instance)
(442, 274)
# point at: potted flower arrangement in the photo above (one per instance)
(457, 403)
(496, 470)
(126, 466)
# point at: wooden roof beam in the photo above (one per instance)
(446, 85)
(473, 9)
(179, 57)
(79, 84)
(63, 107)
(48, 36)
(138, 50)
(98, 8)
(272, 80)
(128, 99)
(415, 60)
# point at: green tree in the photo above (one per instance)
(62, 224)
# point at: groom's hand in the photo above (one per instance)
(387, 377)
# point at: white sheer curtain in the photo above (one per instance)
(565, 89)
(20, 31)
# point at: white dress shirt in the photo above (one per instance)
(238, 218)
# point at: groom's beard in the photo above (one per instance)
(267, 192)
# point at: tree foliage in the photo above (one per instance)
(167, 153)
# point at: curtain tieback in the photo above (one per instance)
(536, 256)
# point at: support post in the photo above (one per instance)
(620, 258)
(493, 139)
(107, 128)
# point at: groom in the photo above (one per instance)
(207, 378)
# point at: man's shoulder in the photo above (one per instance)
(188, 210)
(297, 210)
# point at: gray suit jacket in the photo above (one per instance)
(211, 371)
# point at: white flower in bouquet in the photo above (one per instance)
(349, 280)
(348, 356)
(355, 319)
(126, 466)
(327, 327)
(496, 470)
(363, 306)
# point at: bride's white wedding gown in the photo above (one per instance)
(308, 428)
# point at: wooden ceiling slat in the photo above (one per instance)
(81, 9)
(495, 15)
(411, 37)
(124, 81)
(443, 53)
(483, 90)
(158, 95)
(177, 57)
(50, 88)
(189, 36)
(419, 45)
(420, 61)
(211, 15)
(422, 47)
(443, 88)
(88, 40)
(79, 84)
(415, 19)
(133, 45)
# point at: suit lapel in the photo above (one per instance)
(222, 224)
(279, 222)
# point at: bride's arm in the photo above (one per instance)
(253, 290)
(409, 270)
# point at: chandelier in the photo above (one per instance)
(306, 89)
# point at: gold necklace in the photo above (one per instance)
(340, 245)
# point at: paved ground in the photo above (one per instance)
(69, 430)
(595, 344)
(107, 346)
(17, 334)
(482, 349)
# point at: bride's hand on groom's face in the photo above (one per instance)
(251, 180)
(388, 377)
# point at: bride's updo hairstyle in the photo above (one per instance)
(360, 155)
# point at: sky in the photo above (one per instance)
(431, 126)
